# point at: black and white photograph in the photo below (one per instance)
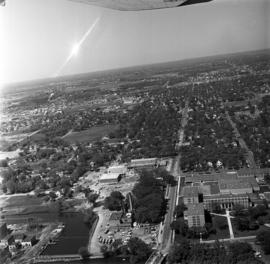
(134, 132)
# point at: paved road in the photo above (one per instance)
(167, 231)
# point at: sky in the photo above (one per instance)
(37, 36)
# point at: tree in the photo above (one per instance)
(180, 226)
(221, 222)
(179, 253)
(3, 163)
(150, 204)
(239, 210)
(92, 197)
(267, 178)
(264, 238)
(179, 210)
(139, 251)
(106, 252)
(84, 253)
(242, 223)
(240, 251)
(114, 202)
(259, 210)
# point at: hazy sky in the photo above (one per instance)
(37, 36)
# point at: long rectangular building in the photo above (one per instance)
(226, 201)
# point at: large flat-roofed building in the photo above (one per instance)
(259, 173)
(235, 187)
(209, 177)
(190, 194)
(143, 163)
(195, 215)
(110, 178)
(226, 201)
(227, 175)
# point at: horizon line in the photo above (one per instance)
(19, 83)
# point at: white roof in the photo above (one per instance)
(109, 176)
(149, 161)
(117, 167)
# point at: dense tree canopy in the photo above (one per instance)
(237, 253)
(139, 251)
(150, 204)
(114, 202)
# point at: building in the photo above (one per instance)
(110, 178)
(226, 201)
(195, 215)
(121, 169)
(28, 241)
(6, 241)
(190, 194)
(143, 163)
(235, 187)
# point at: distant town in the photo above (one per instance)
(165, 163)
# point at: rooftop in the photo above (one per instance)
(143, 162)
(109, 176)
(190, 191)
(234, 184)
(195, 209)
(224, 196)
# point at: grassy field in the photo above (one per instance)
(89, 135)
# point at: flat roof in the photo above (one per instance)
(221, 196)
(190, 191)
(117, 167)
(147, 161)
(241, 173)
(109, 176)
(195, 209)
(234, 184)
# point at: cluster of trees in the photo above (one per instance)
(84, 253)
(209, 134)
(21, 181)
(114, 202)
(250, 219)
(255, 132)
(150, 204)
(263, 237)
(235, 253)
(136, 250)
(152, 126)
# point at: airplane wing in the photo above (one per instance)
(136, 5)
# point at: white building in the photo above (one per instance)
(110, 178)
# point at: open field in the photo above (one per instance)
(89, 135)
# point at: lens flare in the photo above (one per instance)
(77, 46)
(75, 50)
